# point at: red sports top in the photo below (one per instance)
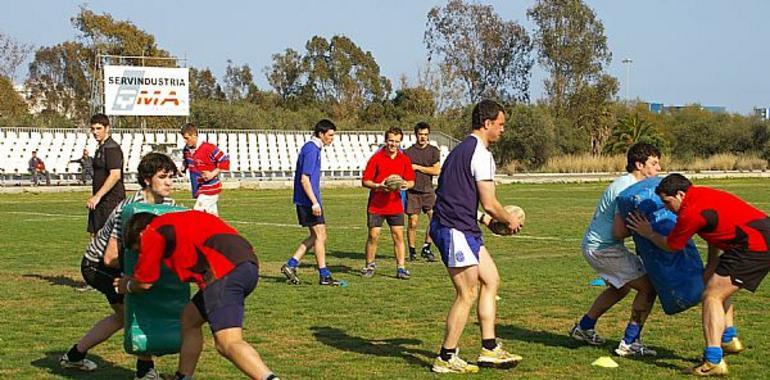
(722, 219)
(197, 246)
(380, 167)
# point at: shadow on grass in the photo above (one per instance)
(348, 255)
(397, 347)
(106, 370)
(551, 339)
(57, 280)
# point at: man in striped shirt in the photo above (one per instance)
(100, 265)
(204, 161)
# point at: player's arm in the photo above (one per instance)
(490, 204)
(638, 223)
(127, 284)
(109, 183)
(429, 170)
(367, 180)
(307, 187)
(111, 253)
(619, 229)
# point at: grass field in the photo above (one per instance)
(379, 328)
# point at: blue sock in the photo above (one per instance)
(713, 354)
(293, 263)
(633, 331)
(323, 272)
(730, 333)
(586, 323)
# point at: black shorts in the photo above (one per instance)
(101, 278)
(746, 269)
(306, 218)
(375, 220)
(416, 202)
(221, 302)
(98, 216)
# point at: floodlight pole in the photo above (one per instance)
(628, 62)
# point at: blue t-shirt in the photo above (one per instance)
(309, 164)
(457, 196)
(599, 233)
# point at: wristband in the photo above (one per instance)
(128, 286)
(481, 217)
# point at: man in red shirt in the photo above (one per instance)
(205, 161)
(727, 224)
(384, 203)
(220, 261)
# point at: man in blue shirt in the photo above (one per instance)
(466, 179)
(604, 250)
(307, 198)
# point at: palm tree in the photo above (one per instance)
(630, 130)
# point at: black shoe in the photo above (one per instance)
(427, 254)
(412, 257)
(328, 280)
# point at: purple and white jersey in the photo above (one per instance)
(457, 196)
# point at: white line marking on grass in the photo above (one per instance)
(43, 214)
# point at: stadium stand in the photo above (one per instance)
(254, 154)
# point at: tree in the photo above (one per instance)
(12, 54)
(203, 85)
(490, 56)
(571, 46)
(11, 103)
(630, 130)
(590, 109)
(529, 137)
(443, 82)
(287, 74)
(343, 76)
(58, 79)
(237, 80)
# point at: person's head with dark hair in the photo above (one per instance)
(324, 130)
(189, 135)
(485, 111)
(643, 158)
(156, 172)
(134, 228)
(100, 127)
(393, 137)
(672, 191)
(100, 118)
(422, 133)
(488, 121)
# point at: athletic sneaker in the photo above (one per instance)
(328, 280)
(427, 254)
(453, 365)
(83, 365)
(412, 255)
(589, 335)
(497, 358)
(152, 374)
(709, 369)
(368, 270)
(735, 346)
(403, 274)
(635, 349)
(291, 274)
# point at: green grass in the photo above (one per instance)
(380, 328)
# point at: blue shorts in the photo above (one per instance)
(306, 218)
(458, 249)
(221, 302)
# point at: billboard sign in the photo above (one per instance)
(146, 91)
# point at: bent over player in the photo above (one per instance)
(219, 261)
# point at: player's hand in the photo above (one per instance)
(515, 224)
(207, 175)
(317, 211)
(93, 201)
(638, 223)
(121, 284)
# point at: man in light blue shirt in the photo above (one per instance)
(605, 251)
(307, 198)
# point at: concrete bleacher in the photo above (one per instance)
(254, 154)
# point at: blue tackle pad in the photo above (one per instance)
(678, 276)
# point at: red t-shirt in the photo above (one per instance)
(380, 167)
(196, 246)
(722, 219)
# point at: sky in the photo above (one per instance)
(711, 52)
